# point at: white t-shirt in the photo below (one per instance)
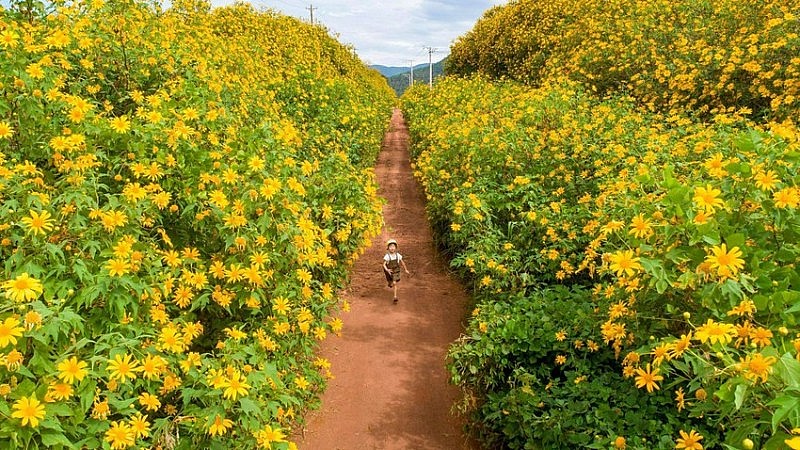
(396, 257)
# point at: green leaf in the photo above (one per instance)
(250, 407)
(735, 240)
(788, 369)
(739, 395)
(785, 405)
(53, 438)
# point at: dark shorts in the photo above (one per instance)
(393, 277)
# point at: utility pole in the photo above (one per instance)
(311, 9)
(431, 51)
(411, 74)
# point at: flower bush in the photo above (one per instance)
(182, 193)
(676, 238)
(710, 57)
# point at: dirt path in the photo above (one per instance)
(390, 389)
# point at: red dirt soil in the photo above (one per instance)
(390, 388)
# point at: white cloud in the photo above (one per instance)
(388, 32)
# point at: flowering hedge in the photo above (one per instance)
(677, 239)
(720, 56)
(182, 192)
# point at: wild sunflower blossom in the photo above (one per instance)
(624, 263)
(766, 181)
(219, 426)
(648, 379)
(71, 370)
(29, 410)
(714, 332)
(707, 198)
(23, 288)
(640, 227)
(5, 130)
(726, 262)
(38, 222)
(757, 368)
(689, 441)
(123, 367)
(120, 435)
(10, 331)
(787, 198)
(235, 386)
(267, 435)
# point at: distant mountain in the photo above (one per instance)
(400, 81)
(389, 71)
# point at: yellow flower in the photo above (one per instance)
(761, 336)
(235, 386)
(700, 394)
(726, 262)
(149, 401)
(793, 443)
(152, 366)
(757, 367)
(640, 227)
(220, 426)
(689, 441)
(701, 218)
(59, 391)
(268, 435)
(23, 288)
(117, 267)
(35, 71)
(5, 130)
(13, 360)
(120, 124)
(38, 223)
(120, 435)
(624, 263)
(100, 410)
(71, 370)
(123, 367)
(29, 410)
(10, 331)
(301, 383)
(745, 307)
(171, 340)
(139, 425)
(680, 399)
(281, 306)
(714, 332)
(787, 198)
(707, 198)
(677, 348)
(766, 180)
(8, 38)
(645, 378)
(235, 333)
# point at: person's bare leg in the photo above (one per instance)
(395, 291)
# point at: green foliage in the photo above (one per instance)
(696, 56)
(534, 188)
(182, 194)
(527, 400)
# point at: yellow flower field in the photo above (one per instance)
(182, 193)
(669, 244)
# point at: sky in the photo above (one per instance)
(390, 33)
